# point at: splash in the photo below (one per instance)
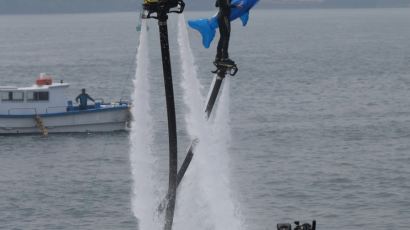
(144, 190)
(204, 200)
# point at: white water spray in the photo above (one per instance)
(144, 192)
(205, 200)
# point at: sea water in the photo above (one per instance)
(319, 120)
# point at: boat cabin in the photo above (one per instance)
(42, 98)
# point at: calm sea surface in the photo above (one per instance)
(320, 118)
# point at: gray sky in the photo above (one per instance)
(68, 6)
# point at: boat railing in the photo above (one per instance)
(99, 100)
(125, 100)
(22, 109)
(122, 101)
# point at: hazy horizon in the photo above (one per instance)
(85, 6)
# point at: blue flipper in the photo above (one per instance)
(245, 18)
(203, 26)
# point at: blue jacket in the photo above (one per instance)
(83, 97)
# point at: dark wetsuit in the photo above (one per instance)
(224, 28)
(83, 100)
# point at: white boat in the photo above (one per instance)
(44, 108)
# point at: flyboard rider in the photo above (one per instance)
(222, 54)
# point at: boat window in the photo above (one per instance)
(37, 96)
(6, 96)
(12, 96)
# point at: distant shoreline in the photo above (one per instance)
(110, 6)
(193, 10)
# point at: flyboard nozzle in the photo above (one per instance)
(162, 6)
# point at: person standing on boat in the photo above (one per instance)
(83, 97)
